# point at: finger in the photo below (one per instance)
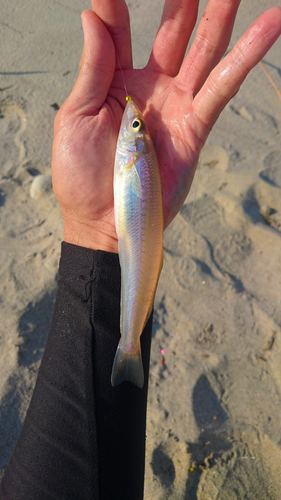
(210, 42)
(225, 80)
(177, 23)
(97, 67)
(115, 16)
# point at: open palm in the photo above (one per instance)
(181, 99)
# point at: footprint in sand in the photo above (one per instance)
(210, 173)
(272, 170)
(12, 126)
(176, 466)
(184, 268)
(169, 465)
(205, 216)
(252, 472)
(232, 250)
(267, 198)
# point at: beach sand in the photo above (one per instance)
(213, 427)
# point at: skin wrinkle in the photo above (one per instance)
(179, 28)
(238, 53)
(87, 67)
(194, 143)
(100, 237)
(169, 17)
(205, 126)
(218, 90)
(70, 147)
(203, 44)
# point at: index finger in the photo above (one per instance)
(115, 15)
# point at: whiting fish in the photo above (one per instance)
(139, 223)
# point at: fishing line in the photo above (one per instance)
(128, 98)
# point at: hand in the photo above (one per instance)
(181, 98)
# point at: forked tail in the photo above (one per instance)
(127, 366)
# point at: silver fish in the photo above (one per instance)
(138, 210)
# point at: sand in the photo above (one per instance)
(213, 428)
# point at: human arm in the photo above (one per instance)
(82, 439)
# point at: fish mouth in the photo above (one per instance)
(133, 111)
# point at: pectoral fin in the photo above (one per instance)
(134, 178)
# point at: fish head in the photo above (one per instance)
(133, 135)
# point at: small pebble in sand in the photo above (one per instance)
(40, 184)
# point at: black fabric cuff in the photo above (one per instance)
(82, 438)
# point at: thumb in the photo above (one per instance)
(97, 66)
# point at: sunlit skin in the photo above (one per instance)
(181, 98)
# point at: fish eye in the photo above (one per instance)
(137, 125)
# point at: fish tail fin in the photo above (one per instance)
(127, 366)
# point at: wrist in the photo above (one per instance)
(96, 236)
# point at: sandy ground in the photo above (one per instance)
(213, 430)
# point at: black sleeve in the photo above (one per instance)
(82, 438)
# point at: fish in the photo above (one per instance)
(138, 207)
